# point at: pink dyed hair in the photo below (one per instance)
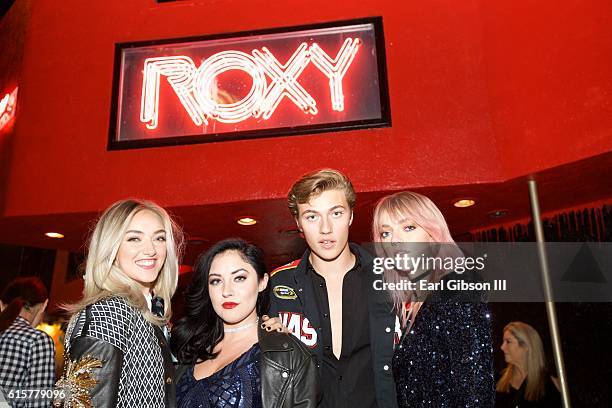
(417, 207)
(422, 211)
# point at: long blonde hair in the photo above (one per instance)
(103, 278)
(425, 213)
(535, 366)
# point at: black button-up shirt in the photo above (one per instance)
(348, 381)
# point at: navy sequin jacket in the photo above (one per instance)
(446, 358)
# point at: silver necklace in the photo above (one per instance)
(241, 328)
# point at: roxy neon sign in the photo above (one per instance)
(295, 80)
(196, 88)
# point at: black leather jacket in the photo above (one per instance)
(289, 373)
(298, 299)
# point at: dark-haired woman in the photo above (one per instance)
(27, 355)
(231, 361)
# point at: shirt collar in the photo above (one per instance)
(149, 297)
(22, 320)
(311, 269)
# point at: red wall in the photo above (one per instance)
(12, 33)
(548, 74)
(480, 92)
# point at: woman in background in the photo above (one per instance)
(27, 355)
(230, 361)
(444, 358)
(116, 352)
(525, 382)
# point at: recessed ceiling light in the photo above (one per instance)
(464, 202)
(54, 235)
(247, 221)
(498, 213)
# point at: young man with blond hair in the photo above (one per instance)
(328, 301)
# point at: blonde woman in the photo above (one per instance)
(444, 358)
(525, 381)
(116, 351)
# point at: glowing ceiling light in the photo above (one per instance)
(464, 202)
(246, 221)
(54, 235)
(498, 213)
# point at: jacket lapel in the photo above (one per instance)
(305, 293)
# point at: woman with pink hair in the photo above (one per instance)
(444, 358)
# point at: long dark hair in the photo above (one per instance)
(195, 335)
(24, 292)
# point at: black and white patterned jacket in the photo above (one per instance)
(27, 360)
(116, 358)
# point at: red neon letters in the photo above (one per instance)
(7, 108)
(196, 87)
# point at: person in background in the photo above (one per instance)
(445, 356)
(525, 382)
(229, 360)
(27, 355)
(116, 352)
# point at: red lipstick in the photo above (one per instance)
(229, 305)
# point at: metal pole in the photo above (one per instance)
(550, 305)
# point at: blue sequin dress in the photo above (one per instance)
(446, 358)
(237, 385)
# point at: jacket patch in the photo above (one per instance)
(78, 381)
(284, 292)
(300, 327)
